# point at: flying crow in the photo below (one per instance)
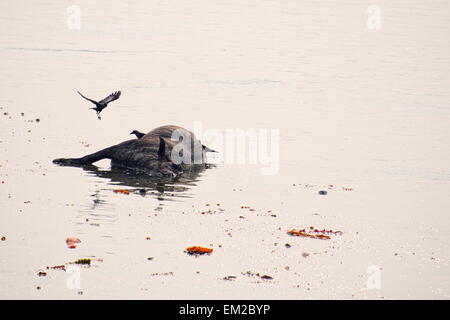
(102, 104)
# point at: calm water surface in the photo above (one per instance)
(366, 111)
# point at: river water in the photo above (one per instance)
(358, 94)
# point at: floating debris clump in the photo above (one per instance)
(258, 275)
(71, 242)
(83, 261)
(299, 233)
(196, 250)
(121, 191)
(314, 233)
(61, 267)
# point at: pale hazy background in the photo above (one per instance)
(360, 108)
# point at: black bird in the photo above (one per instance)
(139, 135)
(102, 104)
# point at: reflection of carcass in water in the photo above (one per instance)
(144, 184)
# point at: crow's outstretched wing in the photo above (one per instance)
(94, 102)
(111, 97)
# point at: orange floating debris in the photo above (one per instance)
(301, 233)
(71, 242)
(121, 191)
(322, 236)
(198, 250)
